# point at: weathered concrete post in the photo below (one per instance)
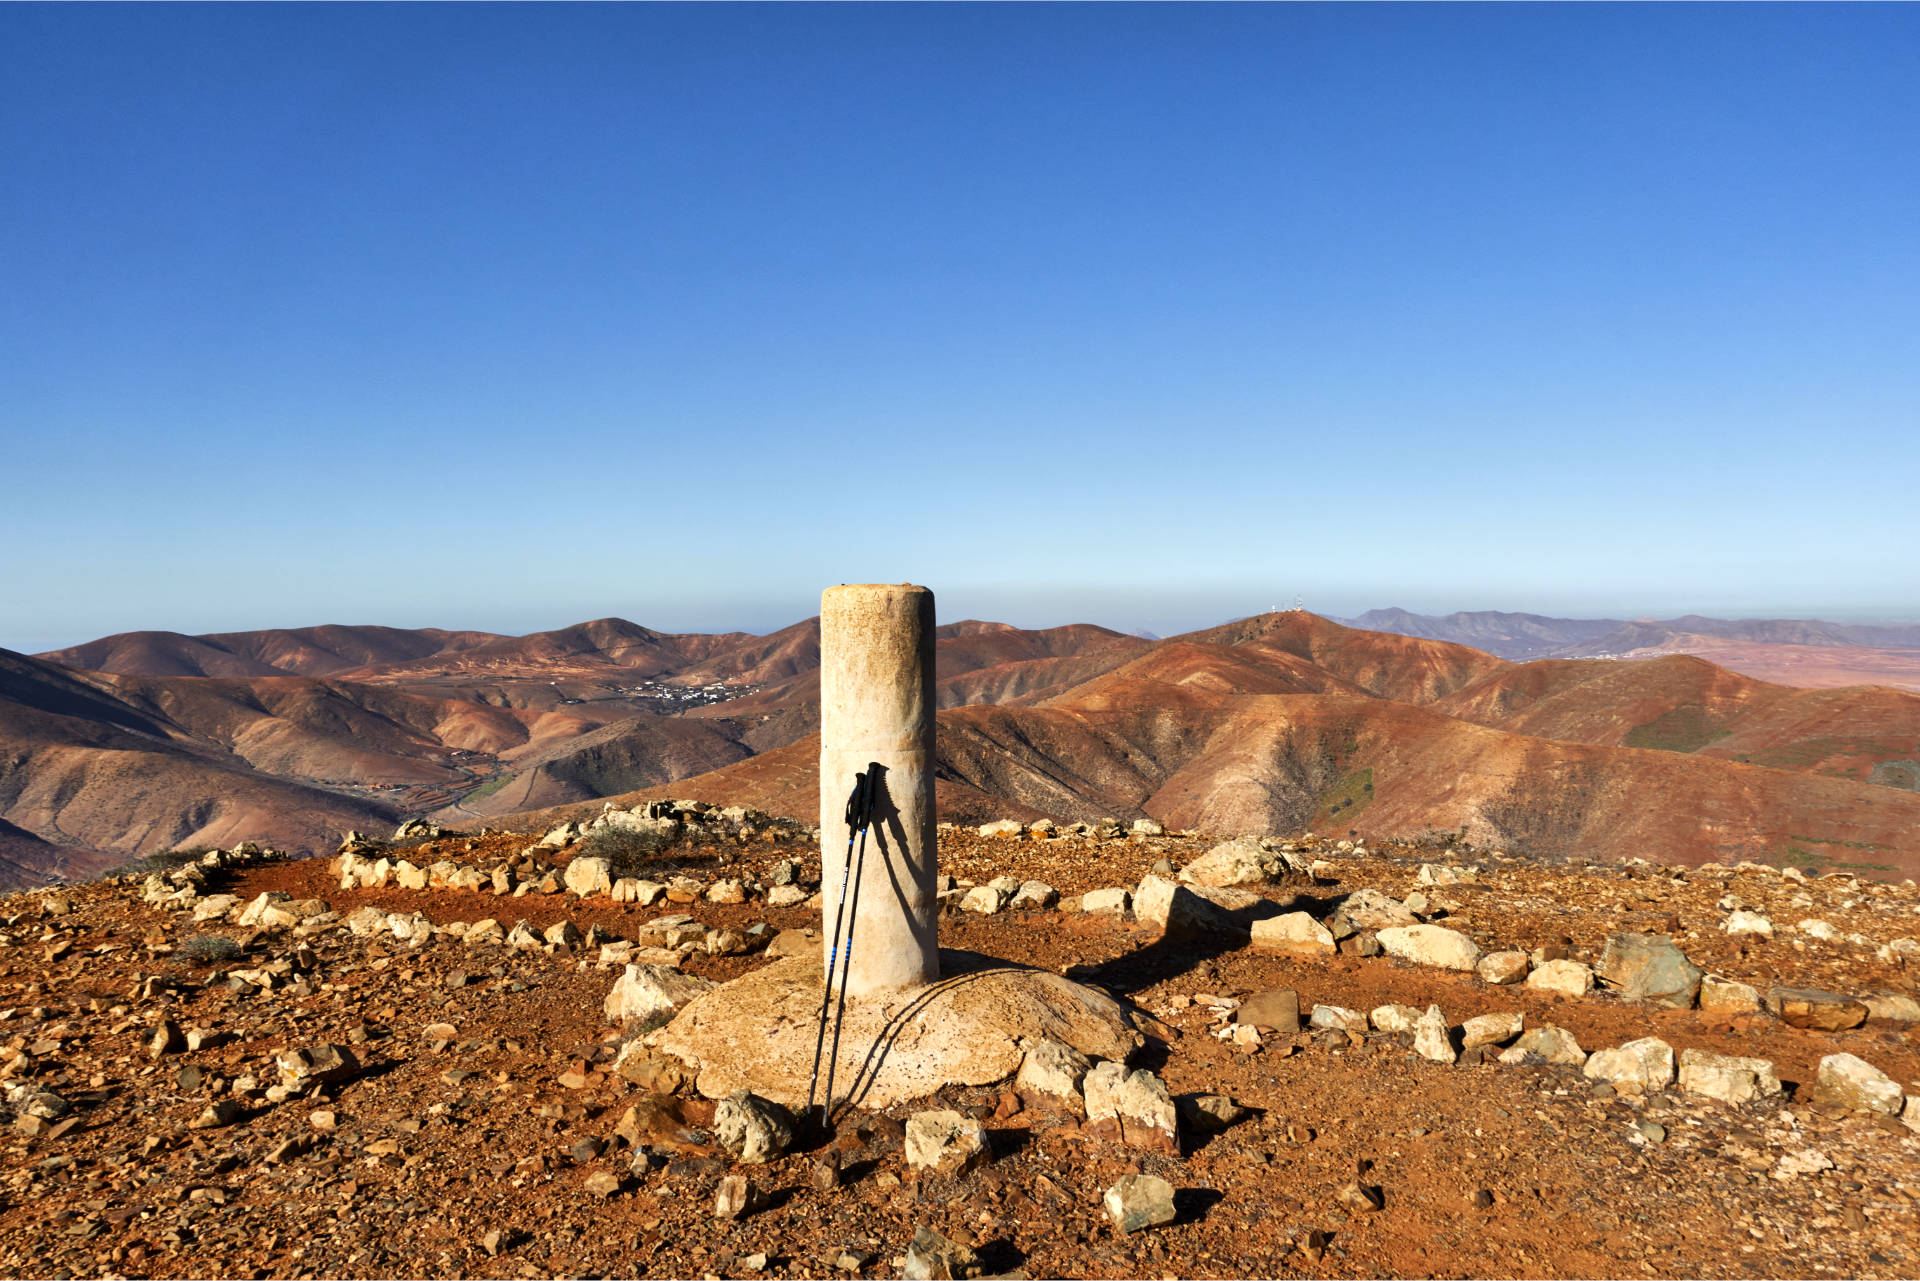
(876, 704)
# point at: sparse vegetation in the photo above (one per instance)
(211, 949)
(632, 851)
(1345, 800)
(491, 786)
(1686, 728)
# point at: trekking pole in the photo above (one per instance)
(856, 811)
(865, 800)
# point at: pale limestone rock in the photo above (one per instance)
(1817, 929)
(409, 877)
(1107, 902)
(1895, 1007)
(944, 1142)
(1854, 1083)
(752, 1129)
(1337, 1016)
(1502, 968)
(646, 990)
(1138, 1202)
(1554, 1044)
(1638, 1067)
(1491, 1029)
(1055, 1070)
(984, 899)
(1238, 862)
(1395, 1018)
(1431, 1039)
(1002, 827)
(1568, 978)
(1293, 932)
(589, 876)
(1748, 923)
(1133, 1107)
(1034, 896)
(1727, 1077)
(1432, 945)
(1725, 996)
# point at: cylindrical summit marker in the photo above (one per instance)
(876, 707)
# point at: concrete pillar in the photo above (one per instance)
(876, 705)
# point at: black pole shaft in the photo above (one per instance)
(840, 1016)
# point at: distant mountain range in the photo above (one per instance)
(150, 740)
(1526, 636)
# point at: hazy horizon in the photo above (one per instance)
(1028, 615)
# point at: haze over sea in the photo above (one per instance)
(504, 317)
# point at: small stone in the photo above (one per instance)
(735, 1197)
(1276, 1009)
(982, 899)
(1847, 1081)
(217, 1115)
(1208, 1113)
(603, 1183)
(1365, 1199)
(1138, 1202)
(933, 1257)
(1107, 902)
(323, 1120)
(643, 991)
(1034, 896)
(1503, 968)
(492, 1242)
(1748, 923)
(944, 1142)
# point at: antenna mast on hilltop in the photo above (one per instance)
(1299, 604)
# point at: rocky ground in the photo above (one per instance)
(308, 1080)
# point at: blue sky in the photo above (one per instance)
(508, 317)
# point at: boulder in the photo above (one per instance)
(1650, 968)
(1807, 1007)
(1131, 1107)
(1567, 978)
(1198, 912)
(945, 1142)
(643, 991)
(1894, 1007)
(589, 876)
(1853, 1083)
(1237, 862)
(1294, 932)
(752, 1129)
(1727, 1077)
(1432, 945)
(1638, 1067)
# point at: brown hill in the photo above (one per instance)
(1346, 763)
(1679, 703)
(300, 651)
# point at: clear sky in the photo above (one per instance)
(510, 317)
